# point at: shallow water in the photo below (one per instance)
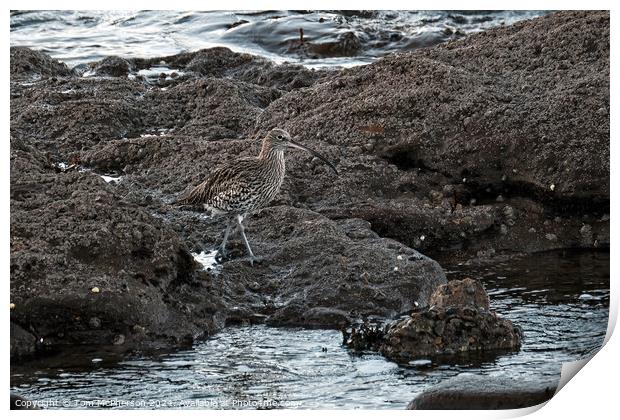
(208, 260)
(259, 366)
(76, 37)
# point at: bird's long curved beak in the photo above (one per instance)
(296, 145)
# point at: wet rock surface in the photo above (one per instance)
(457, 321)
(320, 273)
(494, 144)
(471, 392)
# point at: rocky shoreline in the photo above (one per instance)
(481, 148)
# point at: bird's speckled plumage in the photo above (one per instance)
(242, 186)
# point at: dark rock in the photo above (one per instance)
(222, 62)
(27, 63)
(488, 149)
(418, 131)
(321, 276)
(65, 116)
(112, 66)
(458, 322)
(23, 343)
(237, 23)
(211, 109)
(217, 61)
(462, 293)
(72, 236)
(477, 392)
(347, 44)
(284, 76)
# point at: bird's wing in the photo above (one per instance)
(225, 183)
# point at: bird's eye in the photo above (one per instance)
(280, 136)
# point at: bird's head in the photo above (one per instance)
(278, 139)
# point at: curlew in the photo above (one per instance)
(245, 185)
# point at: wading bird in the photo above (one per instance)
(246, 184)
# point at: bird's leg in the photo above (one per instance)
(222, 247)
(252, 257)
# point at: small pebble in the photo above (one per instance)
(119, 340)
(94, 322)
(138, 329)
(95, 289)
(399, 257)
(551, 237)
(12, 306)
(422, 237)
(552, 187)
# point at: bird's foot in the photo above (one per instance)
(255, 260)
